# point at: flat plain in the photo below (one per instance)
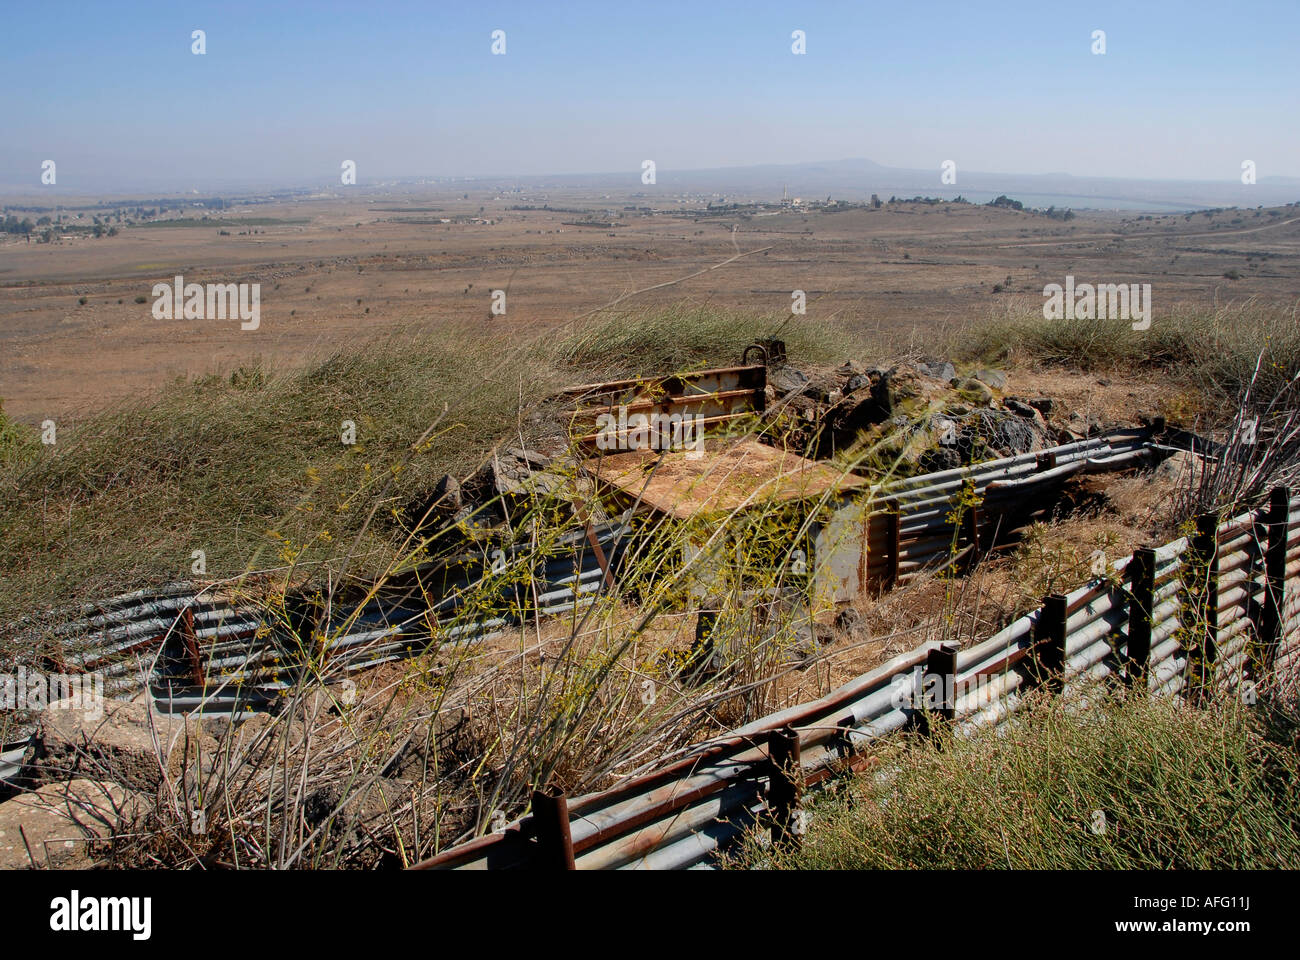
(336, 271)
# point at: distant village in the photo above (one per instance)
(60, 224)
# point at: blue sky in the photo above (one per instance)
(288, 90)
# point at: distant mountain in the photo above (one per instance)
(857, 179)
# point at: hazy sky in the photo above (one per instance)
(286, 91)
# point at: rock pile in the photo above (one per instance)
(922, 415)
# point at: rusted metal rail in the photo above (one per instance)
(1137, 625)
(715, 396)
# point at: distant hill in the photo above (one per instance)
(857, 179)
(849, 179)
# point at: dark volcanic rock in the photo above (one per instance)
(939, 369)
(786, 380)
(999, 433)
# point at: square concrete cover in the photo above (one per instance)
(729, 474)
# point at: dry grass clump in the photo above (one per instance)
(252, 467)
(1214, 350)
(1121, 783)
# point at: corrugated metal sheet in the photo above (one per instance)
(683, 815)
(190, 650)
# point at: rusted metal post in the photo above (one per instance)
(1049, 643)
(1205, 597)
(551, 818)
(599, 551)
(971, 531)
(941, 669)
(1278, 522)
(593, 540)
(934, 703)
(1045, 461)
(1142, 573)
(785, 785)
(191, 641)
(893, 527)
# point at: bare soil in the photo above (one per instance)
(359, 267)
